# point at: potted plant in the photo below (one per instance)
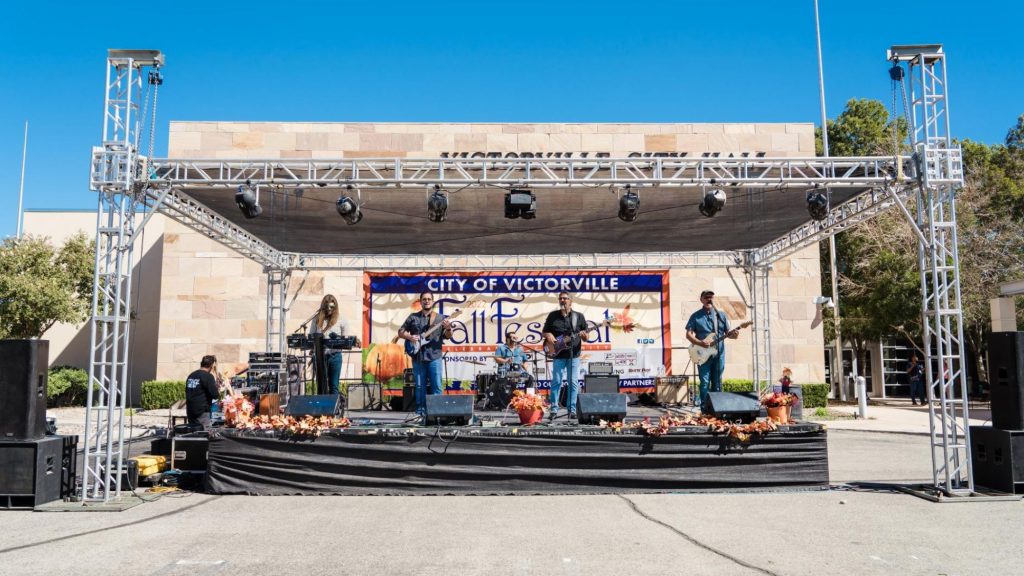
(237, 410)
(778, 405)
(530, 407)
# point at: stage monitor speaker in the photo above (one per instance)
(1006, 367)
(594, 407)
(732, 406)
(454, 410)
(601, 384)
(314, 405)
(997, 458)
(23, 366)
(31, 471)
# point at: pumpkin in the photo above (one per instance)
(393, 361)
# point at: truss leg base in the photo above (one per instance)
(126, 501)
(939, 496)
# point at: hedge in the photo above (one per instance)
(65, 386)
(815, 395)
(162, 393)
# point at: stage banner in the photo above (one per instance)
(635, 304)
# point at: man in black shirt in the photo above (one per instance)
(427, 363)
(564, 323)
(200, 391)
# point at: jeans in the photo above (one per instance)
(333, 372)
(560, 366)
(427, 374)
(917, 391)
(710, 374)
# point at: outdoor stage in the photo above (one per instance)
(381, 455)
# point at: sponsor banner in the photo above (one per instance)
(636, 341)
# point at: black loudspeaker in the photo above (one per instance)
(449, 410)
(601, 383)
(409, 376)
(409, 398)
(314, 405)
(23, 365)
(732, 406)
(997, 458)
(1006, 369)
(31, 471)
(594, 407)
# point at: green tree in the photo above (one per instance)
(879, 292)
(41, 285)
(879, 280)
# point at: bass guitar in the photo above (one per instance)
(563, 343)
(700, 355)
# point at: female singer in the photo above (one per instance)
(328, 322)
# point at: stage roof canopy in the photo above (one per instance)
(568, 220)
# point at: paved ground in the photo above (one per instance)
(859, 528)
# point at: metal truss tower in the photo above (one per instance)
(114, 173)
(940, 167)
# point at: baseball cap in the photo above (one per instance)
(707, 293)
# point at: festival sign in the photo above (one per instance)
(635, 304)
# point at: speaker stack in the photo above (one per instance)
(997, 451)
(33, 466)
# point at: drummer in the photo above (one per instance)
(512, 359)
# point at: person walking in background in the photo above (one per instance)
(916, 373)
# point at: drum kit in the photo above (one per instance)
(497, 388)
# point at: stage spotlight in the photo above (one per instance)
(248, 201)
(437, 204)
(348, 209)
(714, 200)
(629, 205)
(520, 203)
(817, 205)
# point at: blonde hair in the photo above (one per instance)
(323, 321)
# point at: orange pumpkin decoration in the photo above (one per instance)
(393, 361)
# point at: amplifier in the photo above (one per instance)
(265, 358)
(602, 368)
(594, 384)
(300, 342)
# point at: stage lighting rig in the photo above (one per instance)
(248, 200)
(629, 205)
(713, 202)
(520, 203)
(348, 208)
(817, 205)
(437, 204)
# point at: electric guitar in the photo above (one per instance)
(413, 348)
(700, 355)
(562, 343)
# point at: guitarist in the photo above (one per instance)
(566, 365)
(427, 364)
(703, 323)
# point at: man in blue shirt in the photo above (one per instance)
(512, 359)
(703, 323)
(427, 364)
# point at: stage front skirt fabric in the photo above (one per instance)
(358, 461)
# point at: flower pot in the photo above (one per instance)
(779, 414)
(530, 416)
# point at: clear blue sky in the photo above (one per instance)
(683, 61)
